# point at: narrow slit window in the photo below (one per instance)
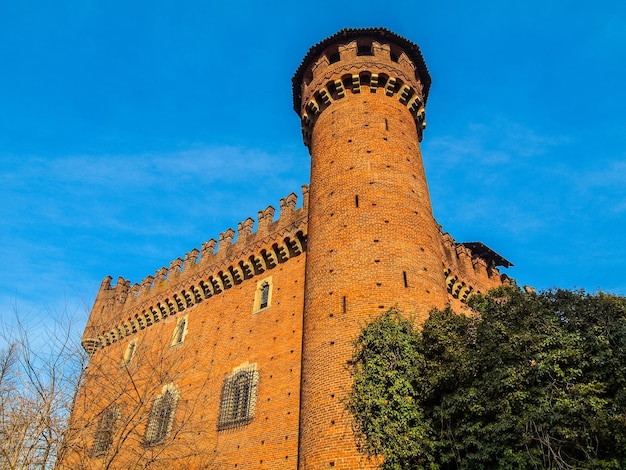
(406, 283)
(344, 306)
(356, 200)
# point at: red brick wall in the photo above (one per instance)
(223, 333)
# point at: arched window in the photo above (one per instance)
(161, 416)
(263, 295)
(129, 353)
(180, 331)
(238, 398)
(105, 431)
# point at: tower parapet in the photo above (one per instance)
(470, 268)
(354, 60)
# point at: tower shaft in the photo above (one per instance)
(373, 242)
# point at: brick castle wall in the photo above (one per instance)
(363, 241)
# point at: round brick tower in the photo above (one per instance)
(372, 240)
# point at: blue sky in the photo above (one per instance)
(131, 132)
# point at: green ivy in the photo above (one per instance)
(532, 381)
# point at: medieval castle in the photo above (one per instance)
(237, 355)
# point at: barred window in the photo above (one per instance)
(105, 431)
(161, 416)
(180, 331)
(238, 400)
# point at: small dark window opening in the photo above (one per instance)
(356, 200)
(386, 124)
(265, 295)
(332, 89)
(365, 49)
(344, 304)
(332, 58)
(394, 57)
(406, 284)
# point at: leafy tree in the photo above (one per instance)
(533, 381)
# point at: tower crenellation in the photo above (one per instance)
(191, 259)
(265, 219)
(225, 241)
(244, 229)
(353, 60)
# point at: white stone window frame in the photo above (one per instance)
(180, 331)
(161, 416)
(129, 353)
(258, 294)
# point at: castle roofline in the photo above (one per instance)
(411, 49)
(483, 251)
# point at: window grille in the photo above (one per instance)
(265, 295)
(103, 438)
(161, 417)
(238, 400)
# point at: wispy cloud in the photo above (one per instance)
(493, 143)
(73, 219)
(490, 175)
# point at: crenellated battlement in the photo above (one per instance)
(357, 60)
(467, 271)
(122, 309)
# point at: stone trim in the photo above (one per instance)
(355, 79)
